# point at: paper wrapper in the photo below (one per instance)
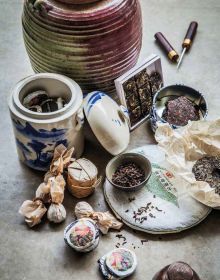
(184, 146)
(57, 186)
(105, 221)
(43, 192)
(60, 160)
(51, 190)
(33, 211)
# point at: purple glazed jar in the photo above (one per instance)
(91, 43)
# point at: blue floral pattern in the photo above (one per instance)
(37, 145)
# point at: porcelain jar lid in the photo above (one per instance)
(108, 121)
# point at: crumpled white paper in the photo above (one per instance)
(105, 220)
(184, 146)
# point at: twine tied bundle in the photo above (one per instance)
(82, 178)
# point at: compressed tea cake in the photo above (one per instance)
(207, 169)
(82, 178)
(136, 89)
(39, 101)
(176, 271)
(179, 111)
(82, 172)
(82, 235)
(118, 264)
(156, 82)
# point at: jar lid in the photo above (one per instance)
(108, 121)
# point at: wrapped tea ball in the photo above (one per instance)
(56, 213)
(82, 178)
(82, 235)
(118, 264)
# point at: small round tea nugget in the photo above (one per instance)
(121, 262)
(82, 235)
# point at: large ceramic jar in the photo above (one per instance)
(91, 43)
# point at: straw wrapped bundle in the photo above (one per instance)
(82, 178)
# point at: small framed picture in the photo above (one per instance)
(136, 89)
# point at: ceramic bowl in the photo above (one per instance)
(171, 92)
(139, 159)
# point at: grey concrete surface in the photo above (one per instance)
(40, 253)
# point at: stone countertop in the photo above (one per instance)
(40, 253)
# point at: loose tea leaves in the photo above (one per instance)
(128, 175)
(179, 111)
(207, 169)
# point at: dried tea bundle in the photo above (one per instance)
(177, 271)
(35, 98)
(118, 264)
(50, 191)
(33, 211)
(39, 101)
(61, 159)
(57, 187)
(82, 178)
(82, 235)
(105, 221)
(43, 192)
(56, 213)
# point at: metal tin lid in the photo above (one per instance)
(108, 121)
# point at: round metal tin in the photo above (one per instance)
(171, 92)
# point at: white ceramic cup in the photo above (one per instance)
(37, 134)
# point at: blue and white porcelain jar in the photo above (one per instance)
(37, 134)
